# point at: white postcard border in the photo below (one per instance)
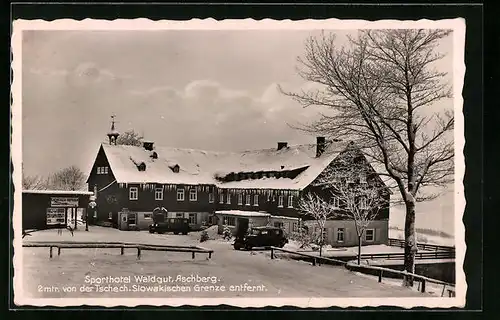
(457, 25)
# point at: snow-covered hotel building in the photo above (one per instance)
(259, 187)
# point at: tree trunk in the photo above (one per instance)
(359, 250)
(410, 242)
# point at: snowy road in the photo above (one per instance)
(105, 273)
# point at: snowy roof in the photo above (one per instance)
(243, 213)
(198, 167)
(285, 218)
(80, 192)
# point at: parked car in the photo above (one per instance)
(175, 225)
(261, 237)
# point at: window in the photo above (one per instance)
(211, 197)
(179, 215)
(335, 202)
(290, 201)
(324, 235)
(278, 224)
(370, 235)
(148, 216)
(221, 197)
(256, 200)
(180, 194)
(192, 218)
(133, 193)
(102, 170)
(295, 227)
(280, 201)
(247, 200)
(230, 221)
(240, 199)
(158, 194)
(110, 216)
(362, 203)
(193, 194)
(340, 234)
(56, 216)
(228, 198)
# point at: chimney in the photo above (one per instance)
(320, 146)
(282, 145)
(148, 145)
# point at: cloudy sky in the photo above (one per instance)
(213, 90)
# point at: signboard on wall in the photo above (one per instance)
(63, 202)
(56, 216)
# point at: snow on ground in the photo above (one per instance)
(430, 288)
(430, 239)
(236, 271)
(329, 251)
(437, 215)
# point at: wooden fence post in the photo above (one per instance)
(122, 251)
(210, 255)
(314, 261)
(58, 251)
(272, 253)
(192, 255)
(50, 252)
(380, 276)
(423, 285)
(138, 253)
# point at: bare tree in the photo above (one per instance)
(34, 182)
(130, 138)
(313, 206)
(356, 193)
(382, 92)
(70, 178)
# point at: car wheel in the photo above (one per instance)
(248, 247)
(160, 232)
(151, 231)
(237, 246)
(184, 233)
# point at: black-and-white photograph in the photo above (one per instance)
(248, 163)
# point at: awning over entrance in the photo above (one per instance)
(242, 213)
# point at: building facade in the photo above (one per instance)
(257, 187)
(45, 209)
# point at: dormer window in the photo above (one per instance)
(175, 168)
(141, 166)
(154, 155)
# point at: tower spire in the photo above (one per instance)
(113, 134)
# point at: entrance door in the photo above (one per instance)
(132, 219)
(242, 226)
(123, 221)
